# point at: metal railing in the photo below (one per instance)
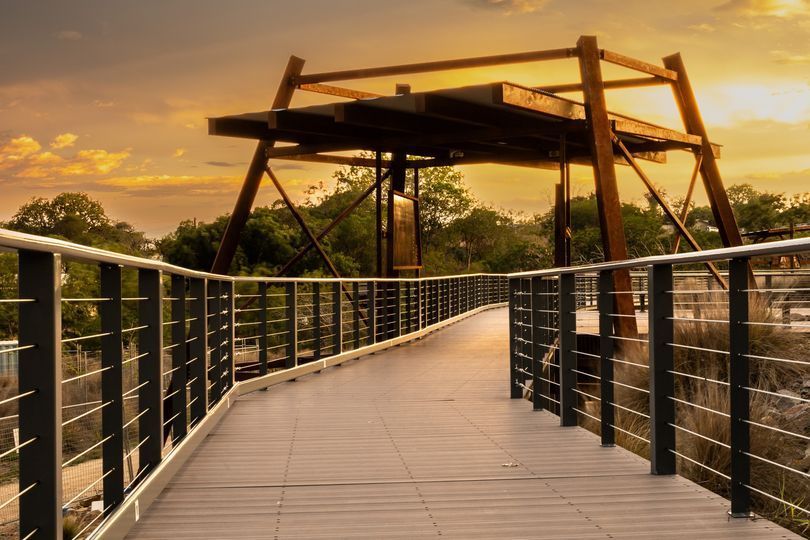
(706, 382)
(167, 346)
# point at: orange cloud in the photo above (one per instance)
(17, 150)
(64, 140)
(772, 8)
(511, 6)
(23, 157)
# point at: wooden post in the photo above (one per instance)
(599, 137)
(709, 171)
(253, 178)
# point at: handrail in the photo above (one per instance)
(13, 240)
(165, 357)
(782, 247)
(566, 331)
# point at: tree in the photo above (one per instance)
(77, 218)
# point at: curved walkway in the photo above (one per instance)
(423, 441)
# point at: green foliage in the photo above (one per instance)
(77, 218)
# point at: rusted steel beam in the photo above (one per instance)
(566, 109)
(607, 192)
(303, 224)
(336, 160)
(638, 65)
(441, 65)
(253, 178)
(337, 91)
(335, 222)
(609, 85)
(709, 171)
(670, 213)
(687, 201)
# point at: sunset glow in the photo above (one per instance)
(112, 98)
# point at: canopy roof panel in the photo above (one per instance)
(497, 122)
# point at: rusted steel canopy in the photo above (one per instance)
(491, 123)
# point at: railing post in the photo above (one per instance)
(537, 339)
(436, 301)
(420, 303)
(262, 329)
(214, 340)
(605, 308)
(356, 314)
(661, 362)
(568, 339)
(397, 309)
(316, 317)
(514, 390)
(337, 317)
(179, 358)
(112, 415)
(738, 387)
(197, 349)
(230, 334)
(371, 302)
(40, 380)
(291, 296)
(150, 368)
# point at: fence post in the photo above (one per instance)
(214, 340)
(605, 307)
(150, 368)
(371, 302)
(568, 342)
(197, 348)
(316, 318)
(537, 339)
(337, 317)
(292, 324)
(112, 357)
(356, 314)
(514, 390)
(262, 329)
(397, 309)
(661, 362)
(230, 335)
(738, 386)
(179, 358)
(40, 379)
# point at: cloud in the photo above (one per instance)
(15, 151)
(167, 185)
(510, 6)
(101, 104)
(64, 140)
(771, 8)
(703, 27)
(69, 35)
(23, 158)
(179, 152)
(785, 57)
(221, 163)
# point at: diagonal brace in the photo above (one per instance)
(665, 206)
(340, 217)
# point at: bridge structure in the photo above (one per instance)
(496, 123)
(250, 407)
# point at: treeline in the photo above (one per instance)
(460, 234)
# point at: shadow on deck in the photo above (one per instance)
(422, 441)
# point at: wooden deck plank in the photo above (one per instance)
(413, 443)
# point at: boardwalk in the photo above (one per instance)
(422, 441)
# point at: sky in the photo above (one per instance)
(111, 97)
